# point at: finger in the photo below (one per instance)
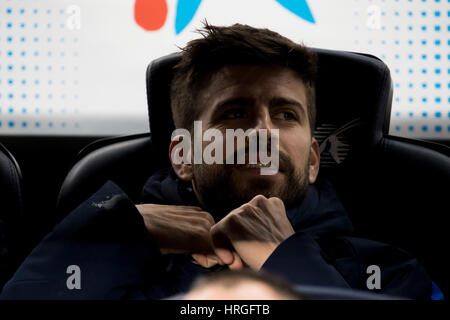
(277, 203)
(225, 255)
(261, 202)
(189, 213)
(216, 258)
(206, 261)
(208, 217)
(272, 203)
(190, 208)
(237, 262)
(165, 206)
(213, 260)
(258, 199)
(200, 259)
(222, 245)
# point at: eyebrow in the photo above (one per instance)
(248, 102)
(281, 101)
(239, 101)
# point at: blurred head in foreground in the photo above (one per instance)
(244, 284)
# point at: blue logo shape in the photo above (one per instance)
(299, 8)
(186, 10)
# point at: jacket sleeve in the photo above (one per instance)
(400, 274)
(299, 260)
(102, 250)
(349, 262)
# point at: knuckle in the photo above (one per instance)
(276, 200)
(249, 209)
(202, 224)
(259, 198)
(280, 203)
(185, 209)
(225, 223)
(207, 224)
(205, 215)
(233, 218)
(246, 207)
(237, 217)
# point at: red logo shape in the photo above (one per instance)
(150, 14)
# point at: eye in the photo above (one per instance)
(235, 114)
(285, 115)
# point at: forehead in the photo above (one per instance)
(252, 81)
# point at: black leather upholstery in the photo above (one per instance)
(392, 187)
(10, 186)
(10, 213)
(356, 118)
(350, 87)
(128, 161)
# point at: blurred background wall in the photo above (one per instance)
(78, 67)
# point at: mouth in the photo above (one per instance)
(252, 166)
(255, 169)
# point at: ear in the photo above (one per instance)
(314, 161)
(183, 169)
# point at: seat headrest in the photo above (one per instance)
(353, 99)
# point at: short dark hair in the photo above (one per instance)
(233, 278)
(237, 44)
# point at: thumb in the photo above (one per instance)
(237, 262)
(225, 255)
(206, 260)
(222, 245)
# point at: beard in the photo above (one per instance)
(221, 189)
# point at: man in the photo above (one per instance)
(196, 217)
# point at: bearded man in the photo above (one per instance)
(196, 218)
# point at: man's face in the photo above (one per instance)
(260, 97)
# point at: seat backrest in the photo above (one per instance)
(350, 123)
(128, 161)
(11, 212)
(354, 95)
(10, 186)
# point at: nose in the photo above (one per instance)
(263, 120)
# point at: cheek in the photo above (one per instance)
(296, 147)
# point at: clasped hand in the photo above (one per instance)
(247, 236)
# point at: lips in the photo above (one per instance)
(256, 168)
(257, 165)
(252, 166)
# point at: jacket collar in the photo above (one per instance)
(320, 211)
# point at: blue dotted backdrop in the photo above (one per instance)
(412, 38)
(43, 90)
(38, 80)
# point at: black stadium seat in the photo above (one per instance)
(394, 188)
(10, 214)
